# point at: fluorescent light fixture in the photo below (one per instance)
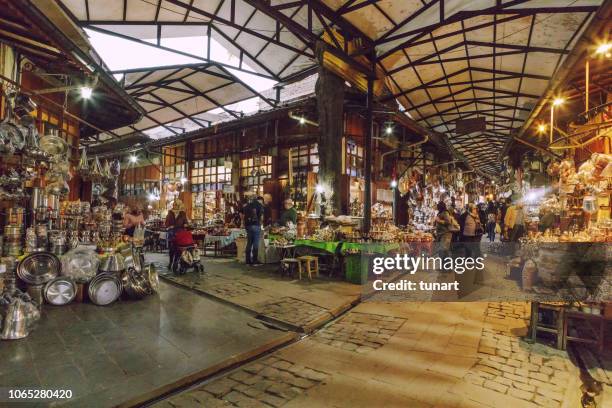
(86, 92)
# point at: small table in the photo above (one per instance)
(285, 251)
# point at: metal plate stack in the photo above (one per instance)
(140, 283)
(38, 268)
(60, 291)
(104, 289)
(135, 284)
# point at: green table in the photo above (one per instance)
(328, 246)
(331, 246)
(371, 247)
(356, 266)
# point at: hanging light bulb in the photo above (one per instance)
(86, 92)
(604, 49)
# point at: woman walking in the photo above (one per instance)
(445, 226)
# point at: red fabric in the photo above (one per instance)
(183, 238)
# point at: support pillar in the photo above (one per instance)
(367, 204)
(330, 105)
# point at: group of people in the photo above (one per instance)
(468, 227)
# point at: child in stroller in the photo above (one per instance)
(186, 253)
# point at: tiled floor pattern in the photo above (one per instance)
(360, 332)
(293, 311)
(272, 382)
(108, 355)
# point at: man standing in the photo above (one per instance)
(253, 214)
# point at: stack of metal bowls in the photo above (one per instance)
(13, 240)
(36, 270)
(57, 242)
(104, 289)
(30, 240)
(41, 236)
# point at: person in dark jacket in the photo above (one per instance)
(253, 214)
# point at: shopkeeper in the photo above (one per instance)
(289, 214)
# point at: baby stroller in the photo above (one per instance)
(187, 257)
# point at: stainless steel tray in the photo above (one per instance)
(60, 291)
(39, 268)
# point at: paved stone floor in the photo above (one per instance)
(377, 354)
(271, 382)
(108, 355)
(302, 304)
(509, 366)
(360, 332)
(419, 354)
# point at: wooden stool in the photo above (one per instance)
(289, 262)
(309, 261)
(557, 329)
